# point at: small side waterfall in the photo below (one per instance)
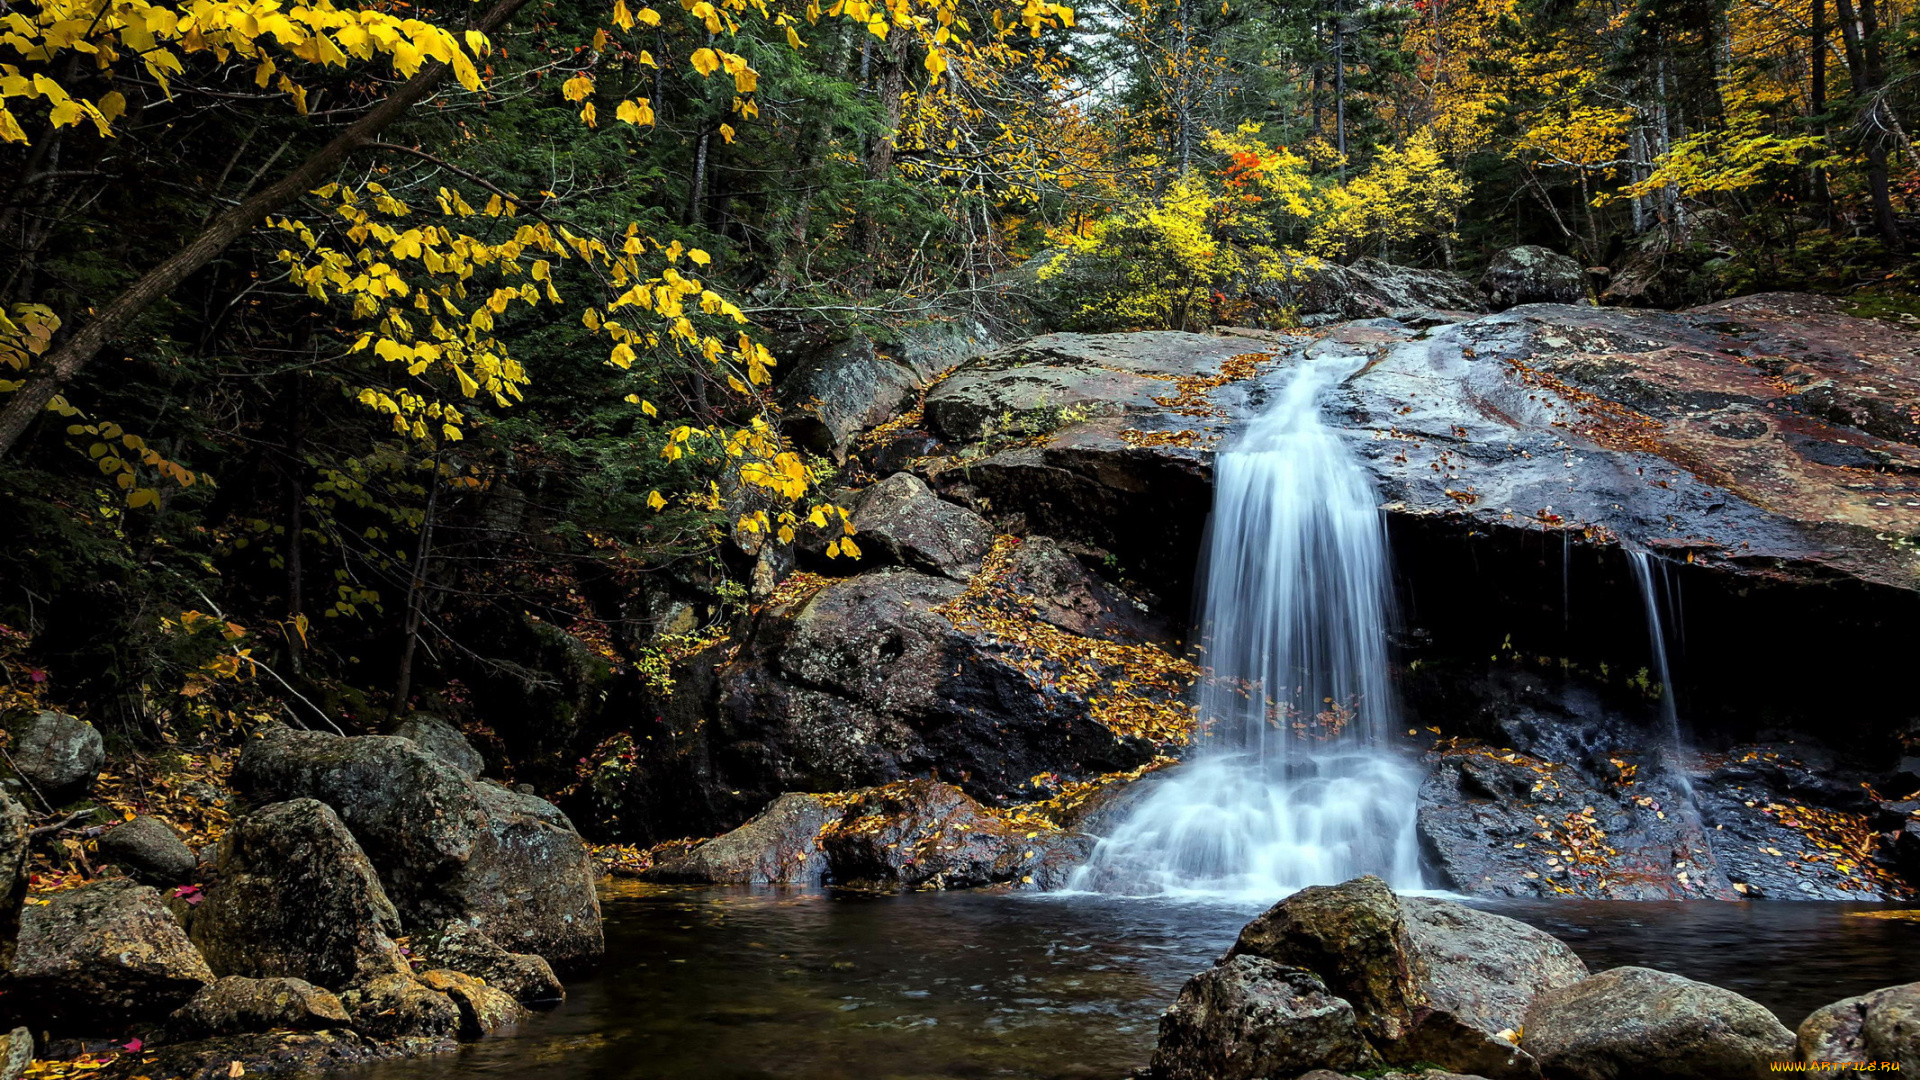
(1645, 567)
(1290, 785)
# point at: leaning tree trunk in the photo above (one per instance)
(58, 368)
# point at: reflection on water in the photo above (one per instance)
(721, 984)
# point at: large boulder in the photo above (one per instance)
(235, 1005)
(1651, 1025)
(150, 850)
(100, 955)
(444, 741)
(1881, 1026)
(1369, 288)
(1429, 980)
(886, 676)
(842, 391)
(927, 834)
(1530, 274)
(901, 520)
(296, 898)
(1250, 1019)
(781, 845)
(458, 947)
(56, 753)
(445, 846)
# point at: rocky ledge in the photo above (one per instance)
(375, 898)
(1554, 478)
(1346, 979)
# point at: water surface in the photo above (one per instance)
(735, 984)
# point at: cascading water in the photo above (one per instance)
(1290, 785)
(1644, 566)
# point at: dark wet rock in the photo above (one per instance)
(1553, 790)
(1550, 810)
(1651, 1025)
(99, 955)
(150, 850)
(483, 1009)
(56, 753)
(868, 681)
(288, 1054)
(844, 390)
(1057, 588)
(16, 1053)
(446, 846)
(397, 1006)
(1881, 1026)
(297, 898)
(13, 867)
(1249, 1019)
(926, 834)
(1430, 981)
(901, 520)
(459, 947)
(1530, 274)
(235, 1005)
(444, 741)
(781, 845)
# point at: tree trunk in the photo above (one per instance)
(1859, 30)
(416, 609)
(58, 368)
(893, 85)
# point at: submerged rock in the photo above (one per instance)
(296, 898)
(235, 1005)
(907, 835)
(149, 849)
(446, 846)
(459, 947)
(1881, 1026)
(780, 846)
(926, 834)
(483, 1009)
(1249, 1019)
(398, 1006)
(288, 1054)
(101, 955)
(56, 753)
(1651, 1025)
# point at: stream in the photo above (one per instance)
(742, 984)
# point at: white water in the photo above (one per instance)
(1644, 569)
(1290, 785)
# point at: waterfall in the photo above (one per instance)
(1644, 570)
(1290, 784)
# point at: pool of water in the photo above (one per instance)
(736, 984)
